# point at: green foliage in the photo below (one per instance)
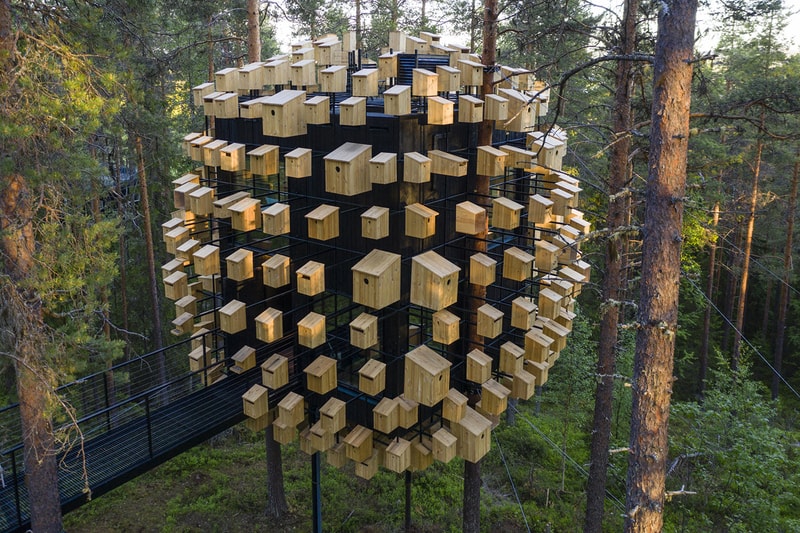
(728, 450)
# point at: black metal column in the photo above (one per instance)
(316, 493)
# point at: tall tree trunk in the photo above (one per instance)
(276, 495)
(612, 279)
(25, 330)
(661, 261)
(783, 303)
(748, 246)
(705, 341)
(731, 287)
(358, 24)
(476, 294)
(155, 308)
(253, 32)
(123, 250)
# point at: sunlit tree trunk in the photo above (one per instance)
(705, 341)
(661, 260)
(253, 32)
(612, 278)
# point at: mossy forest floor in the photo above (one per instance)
(221, 486)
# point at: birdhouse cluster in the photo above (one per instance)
(328, 234)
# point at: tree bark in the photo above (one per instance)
(253, 32)
(276, 495)
(155, 308)
(612, 279)
(748, 246)
(661, 259)
(22, 310)
(783, 303)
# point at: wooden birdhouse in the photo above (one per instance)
(304, 73)
(506, 213)
(186, 147)
(275, 371)
(512, 358)
(408, 411)
(335, 456)
(347, 169)
(199, 358)
(479, 366)
(470, 218)
(187, 304)
(376, 279)
(470, 109)
(298, 163)
(372, 377)
(276, 72)
(208, 110)
(557, 332)
(561, 202)
(353, 111)
(387, 65)
(321, 439)
(251, 77)
(490, 321)
(206, 260)
(323, 222)
(445, 327)
(199, 91)
(444, 445)
(518, 157)
(246, 214)
(517, 265)
(523, 385)
(283, 114)
(375, 223)
(240, 265)
(302, 53)
(269, 325)
(521, 112)
(440, 111)
(255, 401)
(523, 312)
(332, 415)
(424, 82)
(358, 444)
(434, 281)
(227, 79)
(364, 331)
(473, 432)
(291, 409)
(537, 345)
(427, 376)
(275, 271)
(471, 73)
(176, 286)
(447, 164)
(211, 152)
(232, 157)
(398, 455)
(540, 210)
(496, 107)
(449, 79)
(482, 269)
(174, 265)
(383, 168)
(549, 303)
(546, 256)
(420, 221)
(329, 53)
(252, 108)
(226, 105)
(573, 190)
(186, 250)
(494, 397)
(311, 278)
(385, 417)
(180, 195)
(397, 100)
(311, 330)
(275, 219)
(182, 324)
(333, 79)
(284, 433)
(549, 149)
(416, 168)
(454, 406)
(367, 468)
(365, 82)
(221, 205)
(318, 110)
(416, 44)
(264, 160)
(539, 370)
(233, 317)
(321, 375)
(244, 359)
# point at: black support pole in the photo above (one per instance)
(316, 496)
(408, 501)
